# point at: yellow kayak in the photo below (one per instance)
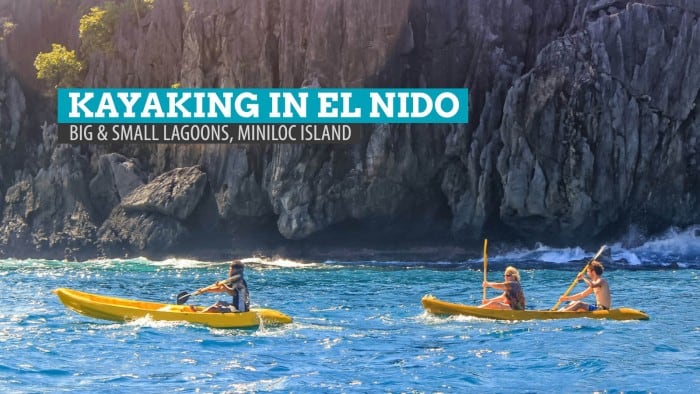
(439, 307)
(119, 309)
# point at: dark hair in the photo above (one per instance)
(597, 266)
(237, 264)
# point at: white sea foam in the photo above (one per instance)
(147, 321)
(277, 384)
(180, 263)
(632, 249)
(184, 263)
(674, 241)
(621, 254)
(674, 246)
(542, 253)
(277, 262)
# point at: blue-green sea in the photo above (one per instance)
(359, 327)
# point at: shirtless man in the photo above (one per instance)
(596, 285)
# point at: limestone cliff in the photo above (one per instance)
(583, 120)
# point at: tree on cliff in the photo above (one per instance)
(60, 67)
(97, 28)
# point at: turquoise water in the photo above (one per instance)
(359, 327)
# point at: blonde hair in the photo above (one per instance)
(514, 271)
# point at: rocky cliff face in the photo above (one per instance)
(582, 120)
(600, 130)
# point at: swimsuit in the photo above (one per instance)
(592, 308)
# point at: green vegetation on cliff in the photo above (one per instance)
(7, 27)
(97, 28)
(60, 67)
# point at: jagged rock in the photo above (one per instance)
(50, 211)
(151, 217)
(583, 116)
(278, 43)
(146, 49)
(236, 174)
(36, 25)
(594, 132)
(15, 232)
(469, 178)
(299, 204)
(175, 193)
(140, 231)
(12, 112)
(12, 119)
(116, 177)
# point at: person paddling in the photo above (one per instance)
(237, 289)
(596, 285)
(513, 296)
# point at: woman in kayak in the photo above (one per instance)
(512, 297)
(237, 289)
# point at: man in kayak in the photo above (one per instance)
(512, 297)
(237, 289)
(596, 285)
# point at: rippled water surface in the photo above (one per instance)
(359, 327)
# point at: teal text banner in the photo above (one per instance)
(269, 106)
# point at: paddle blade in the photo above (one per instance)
(183, 297)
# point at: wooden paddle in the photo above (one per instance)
(486, 266)
(566, 293)
(184, 296)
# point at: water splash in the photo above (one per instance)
(277, 262)
(674, 248)
(674, 241)
(544, 254)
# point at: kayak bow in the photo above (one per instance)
(439, 307)
(119, 309)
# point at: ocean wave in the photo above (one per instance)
(542, 253)
(277, 262)
(674, 241)
(674, 248)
